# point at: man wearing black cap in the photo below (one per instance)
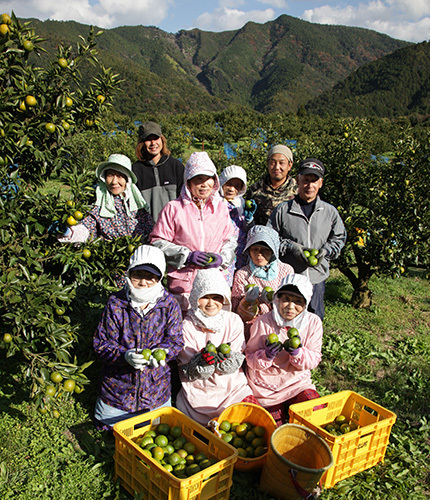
(159, 176)
(306, 223)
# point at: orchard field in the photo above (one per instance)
(53, 133)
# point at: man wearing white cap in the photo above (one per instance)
(276, 186)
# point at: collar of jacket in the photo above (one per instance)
(289, 183)
(150, 163)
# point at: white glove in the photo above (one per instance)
(135, 359)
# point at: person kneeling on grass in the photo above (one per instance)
(211, 381)
(137, 321)
(279, 374)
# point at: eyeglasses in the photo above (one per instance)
(137, 276)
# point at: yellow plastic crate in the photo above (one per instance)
(139, 473)
(255, 415)
(359, 449)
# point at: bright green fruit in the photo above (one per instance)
(272, 338)
(314, 251)
(224, 349)
(50, 127)
(28, 45)
(306, 253)
(294, 342)
(159, 354)
(248, 204)
(146, 353)
(225, 425)
(210, 347)
(69, 385)
(313, 261)
(249, 285)
(56, 377)
(293, 332)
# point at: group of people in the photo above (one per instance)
(234, 260)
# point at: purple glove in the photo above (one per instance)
(198, 258)
(215, 262)
(293, 351)
(271, 350)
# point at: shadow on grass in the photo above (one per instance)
(12, 391)
(338, 290)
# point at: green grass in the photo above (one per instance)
(382, 353)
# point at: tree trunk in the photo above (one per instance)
(361, 296)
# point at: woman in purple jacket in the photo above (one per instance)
(141, 316)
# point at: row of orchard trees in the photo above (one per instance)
(53, 132)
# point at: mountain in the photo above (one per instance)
(276, 66)
(397, 84)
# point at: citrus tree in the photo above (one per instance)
(381, 199)
(43, 284)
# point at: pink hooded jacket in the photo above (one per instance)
(182, 227)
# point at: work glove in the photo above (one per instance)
(249, 212)
(215, 262)
(293, 351)
(135, 359)
(272, 350)
(321, 254)
(264, 297)
(252, 294)
(297, 251)
(154, 362)
(209, 358)
(198, 258)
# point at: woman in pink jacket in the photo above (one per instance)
(195, 230)
(277, 376)
(211, 381)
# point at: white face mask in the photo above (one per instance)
(144, 295)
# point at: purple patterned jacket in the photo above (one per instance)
(121, 328)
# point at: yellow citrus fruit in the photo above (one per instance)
(30, 101)
(4, 29)
(71, 221)
(5, 19)
(69, 102)
(7, 338)
(78, 215)
(22, 106)
(50, 127)
(70, 203)
(101, 99)
(86, 253)
(340, 419)
(62, 62)
(69, 385)
(56, 414)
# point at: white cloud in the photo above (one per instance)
(401, 19)
(277, 4)
(103, 13)
(224, 19)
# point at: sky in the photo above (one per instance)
(407, 20)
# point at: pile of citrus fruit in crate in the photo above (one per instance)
(339, 426)
(247, 438)
(166, 445)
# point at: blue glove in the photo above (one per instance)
(215, 262)
(198, 258)
(249, 212)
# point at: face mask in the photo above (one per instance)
(144, 295)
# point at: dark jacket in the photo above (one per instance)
(159, 183)
(121, 328)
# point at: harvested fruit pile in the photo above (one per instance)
(339, 426)
(166, 445)
(247, 438)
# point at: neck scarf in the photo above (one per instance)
(268, 272)
(300, 322)
(132, 197)
(212, 323)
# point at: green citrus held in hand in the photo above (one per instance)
(272, 338)
(248, 204)
(249, 285)
(224, 349)
(292, 332)
(210, 347)
(294, 342)
(313, 261)
(69, 385)
(146, 353)
(314, 251)
(159, 354)
(306, 253)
